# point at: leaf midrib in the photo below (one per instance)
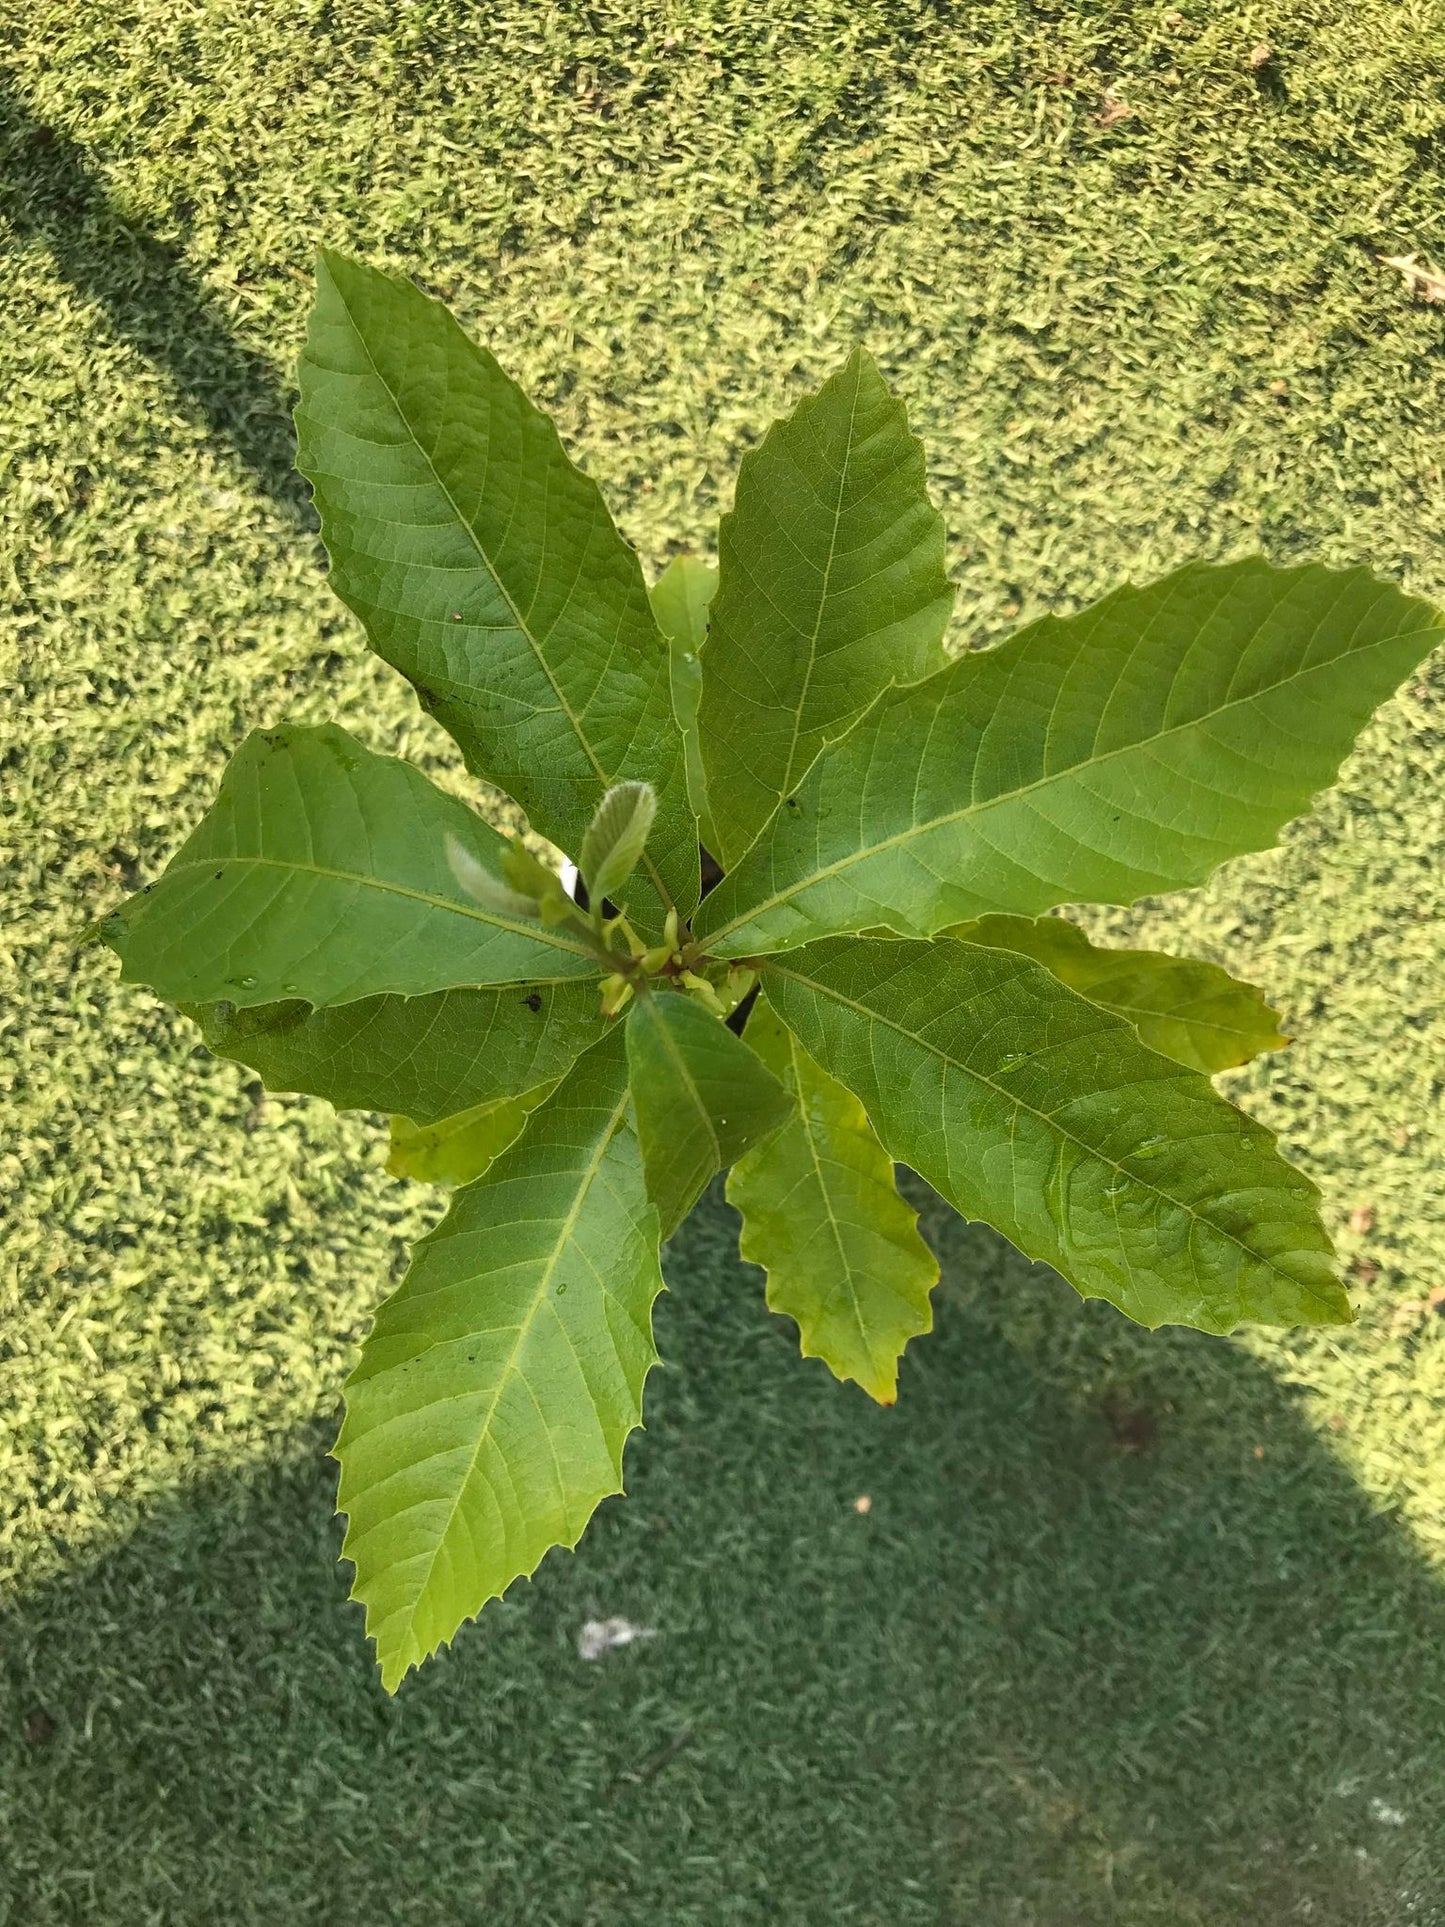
(794, 1048)
(812, 663)
(971, 809)
(1043, 1117)
(538, 933)
(523, 627)
(679, 1064)
(1139, 1013)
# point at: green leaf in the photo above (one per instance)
(1037, 1111)
(680, 599)
(1193, 1012)
(486, 1419)
(423, 1057)
(615, 840)
(831, 587)
(822, 1216)
(321, 872)
(460, 1148)
(1099, 758)
(702, 1099)
(484, 564)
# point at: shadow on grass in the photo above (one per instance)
(1075, 1664)
(50, 191)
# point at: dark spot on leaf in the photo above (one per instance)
(219, 874)
(792, 802)
(533, 1000)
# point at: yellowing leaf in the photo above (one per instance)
(457, 1149)
(822, 1215)
(1193, 1012)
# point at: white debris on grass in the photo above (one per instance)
(1387, 1815)
(599, 1636)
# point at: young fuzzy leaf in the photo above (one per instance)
(484, 565)
(680, 599)
(1041, 1113)
(822, 1215)
(1193, 1012)
(531, 878)
(486, 1419)
(482, 887)
(425, 1058)
(831, 587)
(460, 1148)
(320, 872)
(1096, 758)
(701, 1097)
(615, 840)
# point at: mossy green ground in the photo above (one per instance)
(1138, 1628)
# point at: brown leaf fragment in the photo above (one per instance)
(1112, 109)
(1260, 55)
(1362, 1219)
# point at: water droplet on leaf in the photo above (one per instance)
(1013, 1060)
